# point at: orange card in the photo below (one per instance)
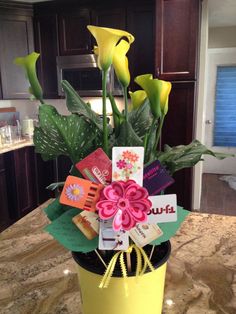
(81, 193)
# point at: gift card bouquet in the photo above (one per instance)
(112, 211)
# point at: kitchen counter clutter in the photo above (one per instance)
(37, 275)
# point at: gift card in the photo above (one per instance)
(144, 233)
(80, 193)
(88, 223)
(110, 239)
(96, 167)
(127, 164)
(164, 208)
(156, 178)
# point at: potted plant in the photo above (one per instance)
(118, 233)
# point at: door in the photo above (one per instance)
(216, 58)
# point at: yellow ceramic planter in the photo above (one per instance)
(131, 295)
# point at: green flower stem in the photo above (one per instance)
(126, 102)
(104, 111)
(159, 132)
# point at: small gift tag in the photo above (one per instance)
(96, 167)
(127, 164)
(80, 193)
(164, 208)
(156, 178)
(88, 223)
(143, 234)
(110, 239)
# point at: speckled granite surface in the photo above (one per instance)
(17, 145)
(38, 276)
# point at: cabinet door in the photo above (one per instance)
(16, 34)
(177, 130)
(45, 33)
(4, 213)
(140, 23)
(177, 28)
(44, 177)
(74, 37)
(21, 180)
(109, 17)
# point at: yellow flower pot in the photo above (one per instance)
(131, 295)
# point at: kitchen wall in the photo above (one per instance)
(222, 37)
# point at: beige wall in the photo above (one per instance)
(222, 37)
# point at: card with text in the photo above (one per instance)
(127, 164)
(88, 223)
(110, 239)
(164, 208)
(156, 178)
(144, 233)
(80, 193)
(96, 167)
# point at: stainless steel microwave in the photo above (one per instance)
(82, 72)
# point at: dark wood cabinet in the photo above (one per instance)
(110, 16)
(178, 130)
(4, 213)
(74, 37)
(44, 176)
(45, 35)
(16, 34)
(141, 24)
(177, 31)
(21, 180)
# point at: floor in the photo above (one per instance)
(217, 196)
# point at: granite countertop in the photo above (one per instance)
(38, 276)
(16, 145)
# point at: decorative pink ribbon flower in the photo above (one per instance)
(127, 202)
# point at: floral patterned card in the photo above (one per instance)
(80, 193)
(127, 164)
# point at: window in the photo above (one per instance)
(225, 107)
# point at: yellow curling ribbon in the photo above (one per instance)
(142, 264)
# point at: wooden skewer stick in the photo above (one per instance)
(128, 259)
(101, 259)
(152, 251)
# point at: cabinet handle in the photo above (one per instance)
(157, 71)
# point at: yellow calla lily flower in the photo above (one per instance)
(157, 93)
(107, 39)
(29, 64)
(137, 98)
(120, 62)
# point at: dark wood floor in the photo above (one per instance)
(217, 196)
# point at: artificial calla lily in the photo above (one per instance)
(29, 64)
(137, 98)
(120, 62)
(107, 39)
(157, 93)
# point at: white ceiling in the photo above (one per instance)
(222, 13)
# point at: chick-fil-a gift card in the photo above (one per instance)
(127, 164)
(80, 193)
(156, 178)
(144, 233)
(164, 208)
(96, 167)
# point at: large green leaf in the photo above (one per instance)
(75, 104)
(141, 118)
(127, 136)
(179, 157)
(65, 231)
(63, 135)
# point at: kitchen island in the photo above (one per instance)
(37, 275)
